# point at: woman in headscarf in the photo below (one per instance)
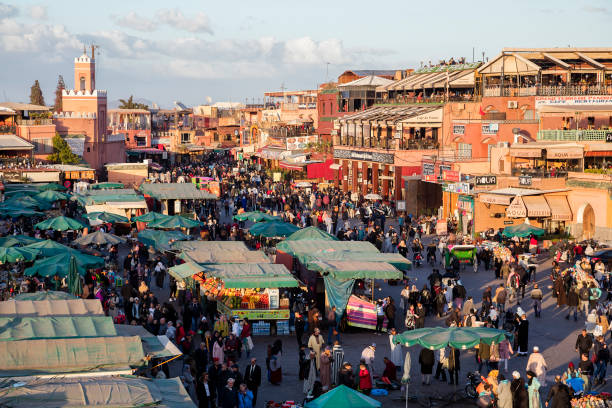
(520, 397)
(325, 370)
(533, 387)
(276, 373)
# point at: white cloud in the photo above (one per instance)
(38, 12)
(175, 18)
(135, 22)
(597, 10)
(305, 50)
(7, 10)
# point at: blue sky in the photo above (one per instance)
(231, 50)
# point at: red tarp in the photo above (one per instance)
(321, 170)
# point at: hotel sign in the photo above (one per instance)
(485, 180)
(525, 180)
(517, 208)
(364, 155)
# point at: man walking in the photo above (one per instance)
(252, 378)
(583, 343)
(536, 296)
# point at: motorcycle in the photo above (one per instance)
(473, 380)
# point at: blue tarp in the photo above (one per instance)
(338, 292)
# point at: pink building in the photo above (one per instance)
(84, 118)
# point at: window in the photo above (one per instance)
(591, 121)
(141, 140)
(464, 150)
(185, 138)
(82, 83)
(88, 150)
(489, 147)
(216, 137)
(490, 128)
(43, 146)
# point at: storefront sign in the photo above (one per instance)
(490, 128)
(429, 169)
(430, 177)
(255, 314)
(573, 100)
(451, 175)
(517, 208)
(485, 180)
(517, 152)
(444, 167)
(494, 199)
(565, 153)
(364, 155)
(458, 129)
(525, 180)
(457, 188)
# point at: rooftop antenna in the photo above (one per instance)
(283, 88)
(327, 72)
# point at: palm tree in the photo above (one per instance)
(130, 104)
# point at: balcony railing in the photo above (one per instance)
(129, 126)
(540, 173)
(548, 90)
(390, 144)
(290, 132)
(7, 129)
(35, 122)
(573, 135)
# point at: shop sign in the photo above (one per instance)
(517, 208)
(464, 203)
(494, 199)
(573, 100)
(400, 205)
(458, 129)
(567, 153)
(444, 167)
(485, 180)
(525, 180)
(451, 175)
(364, 155)
(256, 314)
(490, 128)
(608, 137)
(457, 188)
(429, 169)
(430, 177)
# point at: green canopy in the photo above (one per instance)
(19, 212)
(49, 247)
(396, 260)
(60, 264)
(45, 295)
(356, 269)
(16, 254)
(185, 270)
(343, 397)
(51, 186)
(273, 229)
(311, 233)
(435, 338)
(105, 217)
(175, 221)
(255, 216)
(74, 280)
(61, 223)
(27, 202)
(304, 250)
(51, 196)
(105, 186)
(22, 239)
(151, 217)
(160, 240)
(242, 276)
(99, 238)
(522, 231)
(55, 327)
(21, 193)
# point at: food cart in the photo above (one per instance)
(465, 254)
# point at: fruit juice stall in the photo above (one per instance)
(254, 291)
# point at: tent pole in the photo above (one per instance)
(372, 290)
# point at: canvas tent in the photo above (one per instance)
(243, 276)
(69, 307)
(14, 328)
(356, 269)
(155, 346)
(96, 391)
(216, 252)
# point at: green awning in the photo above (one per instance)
(356, 269)
(73, 355)
(160, 240)
(59, 264)
(522, 231)
(311, 233)
(55, 327)
(85, 200)
(151, 217)
(175, 221)
(396, 260)
(435, 338)
(61, 223)
(174, 191)
(219, 252)
(186, 270)
(242, 276)
(303, 248)
(51, 196)
(255, 216)
(273, 229)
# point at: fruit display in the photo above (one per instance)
(251, 301)
(592, 401)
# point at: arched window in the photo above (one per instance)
(82, 85)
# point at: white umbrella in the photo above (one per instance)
(373, 196)
(303, 184)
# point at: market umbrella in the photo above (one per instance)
(343, 397)
(19, 212)
(51, 186)
(255, 216)
(106, 217)
(74, 280)
(98, 238)
(13, 240)
(60, 264)
(522, 231)
(435, 338)
(311, 233)
(151, 217)
(16, 254)
(51, 196)
(49, 247)
(273, 229)
(61, 223)
(27, 202)
(175, 221)
(160, 240)
(372, 196)
(21, 193)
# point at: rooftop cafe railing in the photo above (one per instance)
(574, 135)
(548, 90)
(4, 129)
(539, 173)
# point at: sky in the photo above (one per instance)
(196, 51)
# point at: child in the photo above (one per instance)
(365, 381)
